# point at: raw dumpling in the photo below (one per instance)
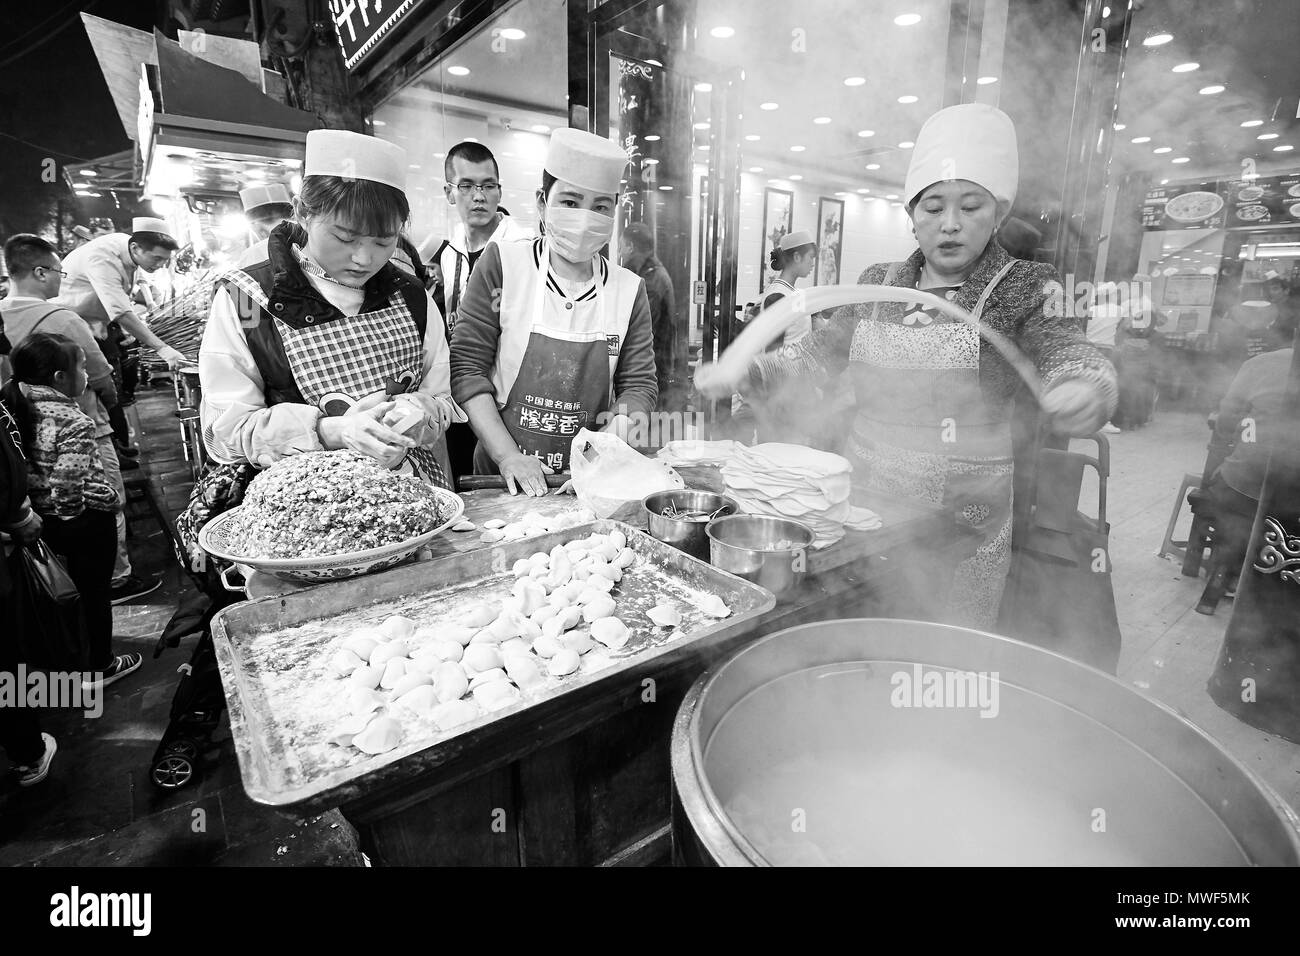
(380, 737)
(569, 617)
(664, 615)
(344, 662)
(611, 632)
(552, 628)
(421, 699)
(453, 713)
(384, 653)
(625, 559)
(448, 650)
(364, 700)
(361, 645)
(529, 631)
(532, 594)
(450, 682)
(714, 606)
(514, 532)
(603, 581)
(539, 616)
(394, 671)
(481, 657)
(368, 676)
(464, 526)
(491, 537)
(480, 615)
(496, 673)
(515, 648)
(347, 728)
(496, 694)
(398, 628)
(546, 646)
(524, 671)
(618, 539)
(493, 524)
(579, 641)
(521, 568)
(563, 663)
(409, 681)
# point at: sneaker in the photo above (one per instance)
(122, 665)
(1109, 429)
(127, 464)
(135, 587)
(31, 776)
(126, 451)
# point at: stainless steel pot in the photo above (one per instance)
(824, 744)
(771, 552)
(685, 534)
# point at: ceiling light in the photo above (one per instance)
(891, 196)
(541, 128)
(378, 123)
(1119, 127)
(1211, 90)
(821, 120)
(907, 19)
(796, 149)
(907, 98)
(1140, 139)
(864, 191)
(1105, 12)
(755, 169)
(753, 137)
(864, 133)
(1186, 67)
(769, 106)
(723, 33)
(650, 162)
(512, 33)
(700, 126)
(652, 138)
(854, 80)
(666, 188)
(89, 173)
(1283, 149)
(1249, 123)
(704, 148)
(458, 70)
(1163, 149)
(1267, 136)
(703, 87)
(1158, 39)
(796, 177)
(899, 204)
(1181, 159)
(906, 144)
(986, 80)
(873, 165)
(841, 195)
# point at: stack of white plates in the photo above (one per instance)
(792, 481)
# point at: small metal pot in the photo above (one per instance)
(747, 546)
(685, 534)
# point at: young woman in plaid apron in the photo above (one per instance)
(324, 344)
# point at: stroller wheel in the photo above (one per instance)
(183, 746)
(173, 771)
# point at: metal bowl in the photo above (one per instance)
(214, 539)
(750, 546)
(685, 534)
(1047, 762)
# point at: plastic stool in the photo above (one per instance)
(1169, 546)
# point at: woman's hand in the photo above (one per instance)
(1074, 408)
(710, 382)
(524, 473)
(363, 430)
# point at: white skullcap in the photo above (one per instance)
(586, 160)
(253, 196)
(973, 141)
(149, 224)
(338, 152)
(792, 239)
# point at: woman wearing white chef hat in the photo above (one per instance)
(933, 398)
(325, 344)
(551, 336)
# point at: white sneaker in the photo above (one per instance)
(31, 776)
(1109, 429)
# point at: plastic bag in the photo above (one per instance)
(610, 477)
(51, 627)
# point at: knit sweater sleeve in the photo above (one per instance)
(635, 386)
(1055, 343)
(77, 478)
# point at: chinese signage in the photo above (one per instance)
(1184, 206)
(362, 24)
(1263, 201)
(1226, 203)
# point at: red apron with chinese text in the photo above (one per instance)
(564, 379)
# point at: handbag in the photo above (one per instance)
(51, 626)
(218, 490)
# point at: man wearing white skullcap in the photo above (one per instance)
(325, 343)
(551, 336)
(933, 398)
(265, 207)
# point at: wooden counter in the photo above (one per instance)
(587, 780)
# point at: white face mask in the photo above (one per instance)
(577, 234)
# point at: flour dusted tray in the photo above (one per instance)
(273, 655)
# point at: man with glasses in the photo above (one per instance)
(473, 187)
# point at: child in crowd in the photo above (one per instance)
(67, 485)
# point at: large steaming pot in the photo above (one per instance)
(833, 743)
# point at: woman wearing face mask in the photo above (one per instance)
(551, 336)
(933, 397)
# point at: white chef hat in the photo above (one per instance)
(793, 240)
(586, 160)
(149, 224)
(972, 141)
(348, 155)
(264, 195)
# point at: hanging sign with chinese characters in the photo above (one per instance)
(362, 24)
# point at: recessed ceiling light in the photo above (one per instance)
(821, 120)
(769, 106)
(1105, 12)
(907, 98)
(1181, 159)
(796, 149)
(1118, 127)
(1267, 136)
(512, 33)
(1163, 149)
(704, 87)
(1186, 67)
(986, 80)
(666, 188)
(651, 161)
(864, 133)
(1283, 149)
(796, 177)
(755, 169)
(1140, 139)
(753, 137)
(907, 19)
(891, 196)
(854, 80)
(700, 126)
(723, 33)
(1211, 90)
(906, 144)
(1249, 123)
(873, 165)
(543, 128)
(864, 191)
(458, 70)
(1158, 39)
(652, 138)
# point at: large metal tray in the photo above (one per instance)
(273, 652)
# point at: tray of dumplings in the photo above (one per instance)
(338, 688)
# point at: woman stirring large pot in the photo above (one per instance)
(933, 398)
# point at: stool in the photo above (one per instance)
(1191, 483)
(140, 491)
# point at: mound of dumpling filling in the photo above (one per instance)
(331, 502)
